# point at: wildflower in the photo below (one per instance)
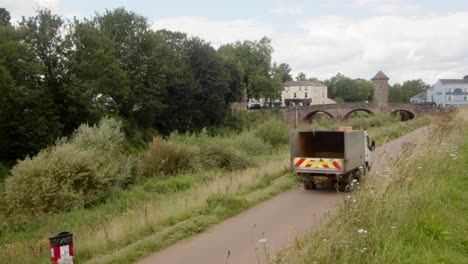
(354, 200)
(348, 197)
(362, 250)
(354, 181)
(410, 179)
(324, 240)
(419, 168)
(362, 231)
(393, 227)
(263, 240)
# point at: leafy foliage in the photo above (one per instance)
(273, 132)
(345, 89)
(166, 158)
(74, 173)
(401, 93)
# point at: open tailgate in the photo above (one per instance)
(317, 165)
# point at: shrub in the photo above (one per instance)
(167, 158)
(107, 136)
(249, 143)
(77, 172)
(62, 178)
(216, 155)
(273, 132)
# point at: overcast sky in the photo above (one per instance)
(407, 39)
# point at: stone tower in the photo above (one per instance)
(380, 89)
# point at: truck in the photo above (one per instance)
(336, 157)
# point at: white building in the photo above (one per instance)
(449, 92)
(304, 93)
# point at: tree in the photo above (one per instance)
(347, 89)
(301, 77)
(364, 90)
(29, 118)
(254, 60)
(211, 83)
(331, 84)
(465, 77)
(402, 93)
(4, 17)
(283, 71)
(96, 82)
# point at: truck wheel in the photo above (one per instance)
(309, 185)
(342, 186)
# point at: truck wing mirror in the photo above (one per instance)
(373, 145)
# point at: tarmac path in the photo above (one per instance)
(269, 226)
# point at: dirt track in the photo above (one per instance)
(278, 220)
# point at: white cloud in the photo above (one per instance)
(405, 47)
(217, 31)
(19, 8)
(426, 47)
(287, 10)
(388, 6)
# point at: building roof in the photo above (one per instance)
(453, 81)
(380, 76)
(421, 95)
(303, 83)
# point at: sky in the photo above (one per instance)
(406, 39)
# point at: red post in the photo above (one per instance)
(61, 248)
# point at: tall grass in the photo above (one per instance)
(225, 170)
(413, 212)
(139, 212)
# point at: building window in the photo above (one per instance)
(450, 97)
(294, 95)
(300, 88)
(305, 88)
(305, 95)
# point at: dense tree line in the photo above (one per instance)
(345, 89)
(56, 74)
(401, 93)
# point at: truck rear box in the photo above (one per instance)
(327, 152)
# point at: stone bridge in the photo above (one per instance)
(300, 114)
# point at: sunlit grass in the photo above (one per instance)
(155, 213)
(412, 212)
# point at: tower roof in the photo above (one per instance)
(380, 76)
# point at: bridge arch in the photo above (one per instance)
(405, 114)
(356, 110)
(310, 116)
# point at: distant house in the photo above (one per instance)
(420, 98)
(449, 92)
(304, 93)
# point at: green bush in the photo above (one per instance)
(107, 136)
(273, 132)
(77, 172)
(167, 158)
(250, 143)
(217, 155)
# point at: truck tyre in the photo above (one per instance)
(342, 186)
(309, 185)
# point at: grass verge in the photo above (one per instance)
(147, 210)
(413, 212)
(156, 213)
